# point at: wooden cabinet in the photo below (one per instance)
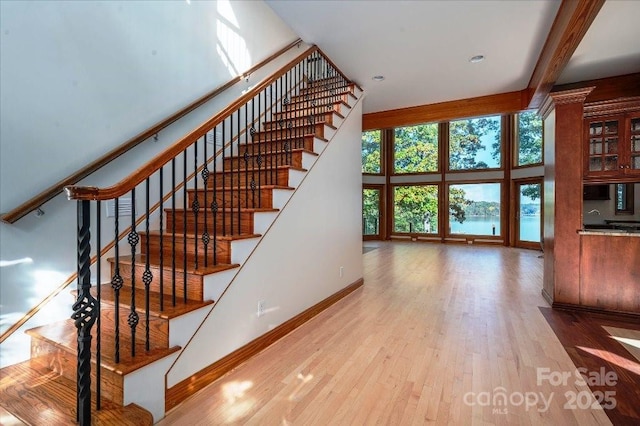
(612, 146)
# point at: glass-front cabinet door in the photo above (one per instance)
(603, 146)
(613, 146)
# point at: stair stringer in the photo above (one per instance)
(297, 262)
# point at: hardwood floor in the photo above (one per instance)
(444, 334)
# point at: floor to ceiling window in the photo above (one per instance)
(455, 180)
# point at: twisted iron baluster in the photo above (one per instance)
(116, 283)
(147, 276)
(84, 314)
(133, 239)
(205, 179)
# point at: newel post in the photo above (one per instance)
(84, 314)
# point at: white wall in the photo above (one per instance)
(297, 263)
(77, 80)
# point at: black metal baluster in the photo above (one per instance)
(117, 281)
(195, 205)
(261, 95)
(185, 196)
(233, 162)
(205, 179)
(246, 162)
(224, 179)
(84, 314)
(133, 240)
(252, 132)
(161, 183)
(214, 203)
(147, 276)
(173, 231)
(238, 113)
(99, 299)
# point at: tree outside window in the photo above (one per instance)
(475, 143)
(416, 149)
(371, 152)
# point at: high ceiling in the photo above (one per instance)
(422, 48)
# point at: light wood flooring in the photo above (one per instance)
(437, 334)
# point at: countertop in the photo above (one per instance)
(609, 232)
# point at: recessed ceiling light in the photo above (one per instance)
(377, 78)
(476, 59)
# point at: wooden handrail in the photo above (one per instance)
(49, 193)
(130, 182)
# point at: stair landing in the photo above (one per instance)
(43, 397)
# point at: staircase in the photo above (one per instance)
(205, 227)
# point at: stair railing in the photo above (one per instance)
(205, 181)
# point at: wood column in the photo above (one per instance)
(563, 114)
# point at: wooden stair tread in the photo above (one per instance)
(310, 136)
(264, 169)
(295, 150)
(242, 188)
(297, 126)
(63, 335)
(107, 295)
(225, 210)
(39, 396)
(202, 270)
(232, 237)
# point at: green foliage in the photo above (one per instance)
(371, 151)
(458, 203)
(529, 138)
(416, 149)
(416, 208)
(465, 140)
(483, 208)
(370, 211)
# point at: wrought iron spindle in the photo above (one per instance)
(232, 162)
(251, 133)
(161, 284)
(185, 195)
(247, 157)
(261, 96)
(84, 314)
(173, 231)
(239, 176)
(117, 281)
(214, 202)
(224, 179)
(99, 299)
(195, 205)
(147, 276)
(133, 239)
(206, 238)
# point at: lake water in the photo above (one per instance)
(529, 227)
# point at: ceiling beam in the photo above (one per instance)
(502, 103)
(569, 27)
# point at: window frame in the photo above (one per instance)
(516, 144)
(383, 137)
(392, 211)
(392, 147)
(503, 219)
(629, 195)
(503, 141)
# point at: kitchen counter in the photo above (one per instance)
(610, 232)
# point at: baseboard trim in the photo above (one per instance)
(187, 387)
(547, 297)
(599, 311)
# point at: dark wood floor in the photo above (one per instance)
(608, 365)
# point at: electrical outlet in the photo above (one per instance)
(260, 308)
(341, 271)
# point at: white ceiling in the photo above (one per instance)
(423, 47)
